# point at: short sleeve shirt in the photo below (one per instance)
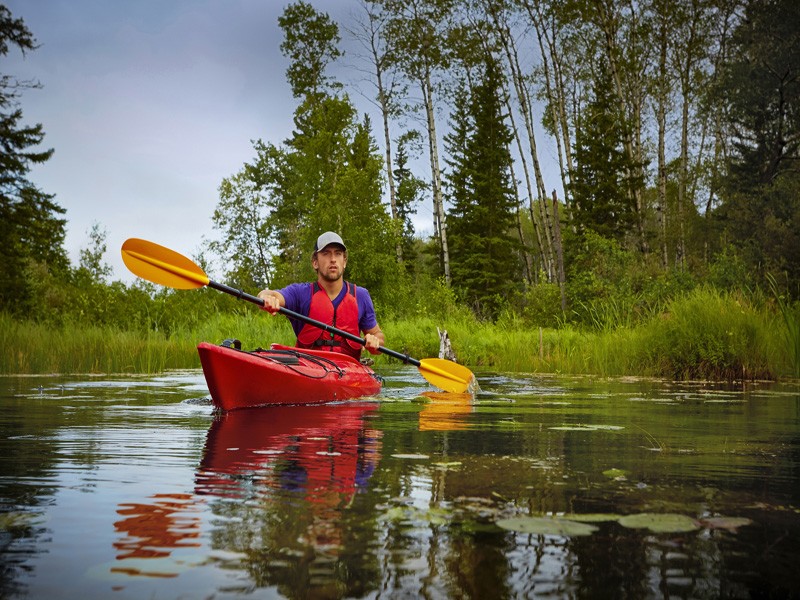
(298, 299)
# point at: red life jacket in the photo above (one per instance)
(344, 316)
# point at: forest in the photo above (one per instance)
(666, 242)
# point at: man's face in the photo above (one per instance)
(329, 263)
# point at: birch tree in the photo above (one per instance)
(416, 31)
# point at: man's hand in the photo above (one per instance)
(273, 301)
(374, 339)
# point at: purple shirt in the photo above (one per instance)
(298, 299)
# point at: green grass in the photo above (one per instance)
(706, 334)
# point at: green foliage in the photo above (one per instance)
(610, 287)
(310, 42)
(760, 86)
(32, 231)
(728, 270)
(483, 251)
(409, 191)
(542, 305)
(791, 319)
(710, 334)
(602, 185)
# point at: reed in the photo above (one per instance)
(709, 334)
(791, 320)
(29, 347)
(705, 334)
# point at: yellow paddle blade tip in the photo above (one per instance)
(448, 376)
(161, 265)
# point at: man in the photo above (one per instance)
(331, 300)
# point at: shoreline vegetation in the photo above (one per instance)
(704, 335)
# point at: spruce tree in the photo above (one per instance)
(484, 253)
(602, 176)
(32, 231)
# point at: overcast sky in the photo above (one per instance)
(149, 104)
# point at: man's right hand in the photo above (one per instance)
(273, 301)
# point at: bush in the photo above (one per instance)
(541, 306)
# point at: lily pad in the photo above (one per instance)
(731, 524)
(614, 473)
(593, 517)
(659, 523)
(546, 526)
(584, 427)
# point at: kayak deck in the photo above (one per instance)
(282, 375)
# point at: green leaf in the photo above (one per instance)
(546, 526)
(659, 523)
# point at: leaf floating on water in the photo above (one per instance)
(731, 524)
(659, 523)
(593, 517)
(614, 473)
(546, 526)
(584, 427)
(412, 456)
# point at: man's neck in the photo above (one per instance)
(333, 288)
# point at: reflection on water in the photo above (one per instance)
(153, 530)
(297, 468)
(445, 412)
(536, 487)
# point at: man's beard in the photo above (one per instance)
(328, 277)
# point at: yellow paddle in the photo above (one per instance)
(166, 267)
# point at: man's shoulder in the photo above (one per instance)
(295, 290)
(298, 286)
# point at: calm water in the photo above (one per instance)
(130, 487)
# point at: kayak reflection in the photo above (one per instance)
(445, 411)
(304, 461)
(322, 449)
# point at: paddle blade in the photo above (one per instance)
(447, 375)
(162, 265)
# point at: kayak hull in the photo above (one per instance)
(282, 375)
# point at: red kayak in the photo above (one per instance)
(282, 375)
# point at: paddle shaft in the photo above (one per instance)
(325, 327)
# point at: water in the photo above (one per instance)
(129, 487)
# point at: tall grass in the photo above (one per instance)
(705, 334)
(709, 334)
(791, 319)
(27, 347)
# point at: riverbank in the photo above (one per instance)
(705, 335)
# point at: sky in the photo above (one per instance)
(149, 105)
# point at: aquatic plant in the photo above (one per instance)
(791, 318)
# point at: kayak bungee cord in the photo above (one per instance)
(321, 361)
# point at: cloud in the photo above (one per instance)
(149, 105)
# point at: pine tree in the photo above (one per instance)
(408, 192)
(31, 230)
(484, 253)
(602, 178)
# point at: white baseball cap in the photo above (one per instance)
(328, 238)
